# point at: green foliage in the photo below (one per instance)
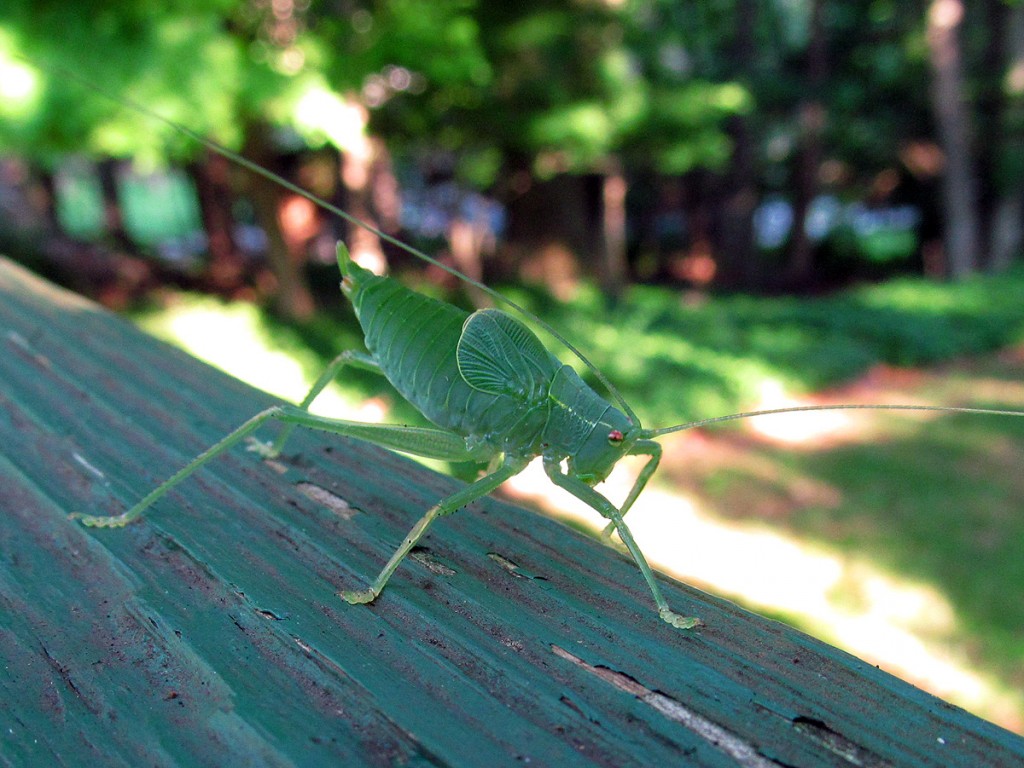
(180, 60)
(563, 86)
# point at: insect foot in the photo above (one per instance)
(679, 622)
(101, 521)
(358, 596)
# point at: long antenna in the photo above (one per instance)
(271, 176)
(649, 433)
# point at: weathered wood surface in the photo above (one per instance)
(210, 633)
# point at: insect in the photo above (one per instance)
(493, 391)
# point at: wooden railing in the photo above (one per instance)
(210, 632)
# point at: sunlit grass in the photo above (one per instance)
(794, 428)
(235, 338)
(927, 500)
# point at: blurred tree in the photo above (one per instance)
(404, 68)
(547, 97)
(212, 175)
(953, 121)
(810, 119)
(737, 253)
(566, 104)
(695, 64)
(568, 112)
(1001, 132)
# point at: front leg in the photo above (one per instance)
(585, 493)
(642, 448)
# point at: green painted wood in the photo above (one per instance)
(210, 633)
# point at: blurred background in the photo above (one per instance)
(726, 205)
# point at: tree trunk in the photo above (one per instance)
(613, 269)
(293, 298)
(811, 120)
(735, 249)
(988, 117)
(107, 171)
(550, 223)
(213, 188)
(465, 244)
(44, 201)
(470, 236)
(1005, 230)
(961, 236)
(1007, 212)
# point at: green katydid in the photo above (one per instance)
(494, 392)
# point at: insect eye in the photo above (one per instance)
(615, 437)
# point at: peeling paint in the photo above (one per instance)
(512, 567)
(332, 501)
(425, 558)
(720, 738)
(89, 467)
(841, 746)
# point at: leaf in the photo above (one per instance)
(499, 355)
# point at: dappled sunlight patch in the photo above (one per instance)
(994, 390)
(19, 81)
(794, 428)
(910, 629)
(533, 484)
(957, 384)
(751, 483)
(882, 385)
(374, 410)
(230, 337)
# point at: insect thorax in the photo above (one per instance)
(580, 424)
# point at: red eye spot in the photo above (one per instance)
(615, 437)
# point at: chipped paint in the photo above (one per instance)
(743, 752)
(331, 500)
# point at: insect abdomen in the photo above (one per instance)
(414, 340)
